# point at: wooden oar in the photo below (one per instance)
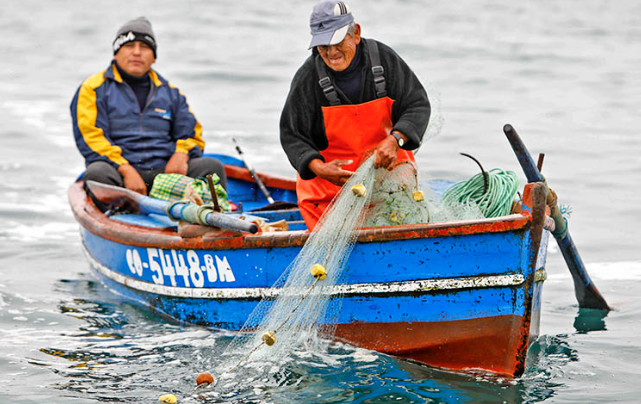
(585, 290)
(110, 194)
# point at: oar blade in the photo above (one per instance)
(586, 292)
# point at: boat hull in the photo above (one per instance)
(458, 295)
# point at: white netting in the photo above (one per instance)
(301, 311)
(306, 307)
(397, 199)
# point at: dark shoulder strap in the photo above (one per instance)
(326, 83)
(377, 68)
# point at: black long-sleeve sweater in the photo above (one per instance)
(302, 130)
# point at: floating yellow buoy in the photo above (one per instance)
(269, 338)
(418, 196)
(359, 190)
(204, 378)
(393, 217)
(168, 399)
(318, 271)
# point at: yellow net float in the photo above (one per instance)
(359, 190)
(168, 399)
(319, 272)
(418, 196)
(269, 338)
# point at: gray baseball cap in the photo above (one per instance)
(329, 22)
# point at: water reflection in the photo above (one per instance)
(588, 320)
(345, 374)
(126, 353)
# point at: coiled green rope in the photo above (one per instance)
(502, 187)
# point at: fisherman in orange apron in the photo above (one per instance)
(352, 96)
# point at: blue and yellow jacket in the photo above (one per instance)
(109, 126)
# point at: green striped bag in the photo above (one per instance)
(172, 187)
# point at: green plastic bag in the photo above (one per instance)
(172, 187)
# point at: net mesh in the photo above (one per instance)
(397, 199)
(306, 308)
(301, 312)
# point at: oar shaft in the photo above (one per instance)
(586, 292)
(588, 296)
(523, 155)
(259, 182)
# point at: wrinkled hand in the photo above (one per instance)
(132, 179)
(177, 164)
(331, 171)
(385, 153)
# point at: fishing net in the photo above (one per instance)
(305, 306)
(397, 199)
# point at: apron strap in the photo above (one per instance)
(326, 83)
(377, 68)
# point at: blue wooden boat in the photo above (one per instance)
(461, 295)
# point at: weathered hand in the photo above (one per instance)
(132, 179)
(177, 164)
(385, 154)
(331, 171)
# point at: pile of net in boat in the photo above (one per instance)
(397, 199)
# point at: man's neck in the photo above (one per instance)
(354, 64)
(140, 85)
(131, 79)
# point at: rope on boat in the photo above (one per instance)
(500, 188)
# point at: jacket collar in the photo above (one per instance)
(113, 74)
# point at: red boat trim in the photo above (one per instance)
(99, 224)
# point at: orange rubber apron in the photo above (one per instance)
(351, 131)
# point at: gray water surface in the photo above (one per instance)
(565, 73)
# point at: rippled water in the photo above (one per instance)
(564, 73)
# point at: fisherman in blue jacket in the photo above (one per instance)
(130, 124)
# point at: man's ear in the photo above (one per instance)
(357, 34)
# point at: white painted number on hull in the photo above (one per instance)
(180, 268)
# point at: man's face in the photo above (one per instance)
(338, 57)
(135, 58)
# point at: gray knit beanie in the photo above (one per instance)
(135, 30)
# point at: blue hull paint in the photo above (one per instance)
(459, 296)
(373, 263)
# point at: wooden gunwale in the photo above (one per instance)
(99, 224)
